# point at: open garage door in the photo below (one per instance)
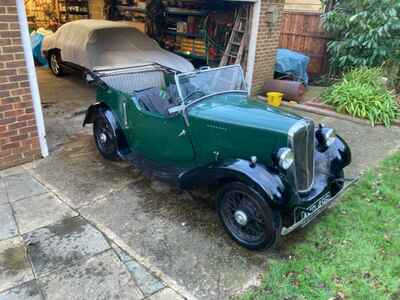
(203, 33)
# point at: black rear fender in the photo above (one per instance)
(101, 108)
(257, 176)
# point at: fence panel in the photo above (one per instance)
(303, 32)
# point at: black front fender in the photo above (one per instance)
(241, 170)
(339, 155)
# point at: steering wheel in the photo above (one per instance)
(197, 91)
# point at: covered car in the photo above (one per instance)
(92, 44)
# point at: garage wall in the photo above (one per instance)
(18, 132)
(304, 5)
(267, 43)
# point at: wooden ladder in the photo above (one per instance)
(237, 42)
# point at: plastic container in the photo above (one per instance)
(274, 98)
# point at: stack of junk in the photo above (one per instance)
(292, 65)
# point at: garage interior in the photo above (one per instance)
(207, 33)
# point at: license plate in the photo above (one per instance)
(321, 202)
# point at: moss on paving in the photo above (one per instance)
(353, 252)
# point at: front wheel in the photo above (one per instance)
(247, 217)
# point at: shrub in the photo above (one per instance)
(363, 33)
(362, 93)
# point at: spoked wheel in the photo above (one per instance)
(106, 140)
(247, 217)
(55, 64)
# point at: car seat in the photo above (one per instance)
(155, 100)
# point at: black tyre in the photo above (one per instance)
(106, 140)
(247, 217)
(55, 64)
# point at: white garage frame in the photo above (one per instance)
(33, 83)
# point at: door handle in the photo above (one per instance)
(125, 115)
(182, 133)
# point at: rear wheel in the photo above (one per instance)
(247, 217)
(55, 64)
(104, 135)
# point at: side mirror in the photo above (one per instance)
(204, 68)
(89, 78)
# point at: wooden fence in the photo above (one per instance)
(302, 32)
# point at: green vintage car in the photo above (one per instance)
(272, 171)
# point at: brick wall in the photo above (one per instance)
(267, 43)
(18, 133)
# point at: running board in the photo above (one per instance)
(306, 220)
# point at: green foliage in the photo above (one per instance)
(351, 253)
(363, 33)
(362, 93)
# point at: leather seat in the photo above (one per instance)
(152, 101)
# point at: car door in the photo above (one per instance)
(158, 138)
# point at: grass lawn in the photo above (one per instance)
(353, 252)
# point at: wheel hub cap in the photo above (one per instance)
(241, 218)
(103, 138)
(54, 63)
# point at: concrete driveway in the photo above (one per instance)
(166, 229)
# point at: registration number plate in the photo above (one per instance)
(321, 202)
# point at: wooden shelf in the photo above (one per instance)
(132, 8)
(191, 55)
(186, 12)
(187, 34)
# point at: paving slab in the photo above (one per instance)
(166, 294)
(26, 291)
(14, 266)
(146, 282)
(100, 277)
(8, 228)
(180, 236)
(60, 245)
(123, 256)
(22, 185)
(3, 192)
(39, 211)
(81, 174)
(12, 171)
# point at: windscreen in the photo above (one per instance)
(196, 85)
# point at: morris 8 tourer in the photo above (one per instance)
(272, 171)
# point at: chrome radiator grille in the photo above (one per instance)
(301, 141)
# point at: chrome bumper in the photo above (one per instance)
(306, 220)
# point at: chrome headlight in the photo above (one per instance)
(285, 158)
